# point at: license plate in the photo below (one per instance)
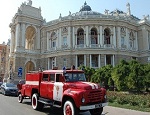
(98, 105)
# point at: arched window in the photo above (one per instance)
(80, 36)
(94, 36)
(107, 36)
(30, 38)
(53, 39)
(131, 40)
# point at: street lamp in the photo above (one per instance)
(10, 71)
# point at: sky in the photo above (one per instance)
(51, 10)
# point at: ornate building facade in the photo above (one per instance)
(4, 60)
(83, 38)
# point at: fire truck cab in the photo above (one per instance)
(66, 89)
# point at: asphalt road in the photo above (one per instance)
(10, 106)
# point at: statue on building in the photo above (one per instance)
(69, 13)
(146, 17)
(60, 16)
(128, 9)
(19, 10)
(106, 12)
(29, 3)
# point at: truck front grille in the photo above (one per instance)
(95, 96)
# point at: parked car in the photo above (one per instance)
(1, 84)
(9, 89)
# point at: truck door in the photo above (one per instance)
(50, 86)
(58, 88)
(44, 85)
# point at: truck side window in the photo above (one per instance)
(52, 77)
(45, 77)
(58, 77)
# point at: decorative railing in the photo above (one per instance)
(95, 46)
(84, 46)
(80, 46)
(108, 46)
(32, 51)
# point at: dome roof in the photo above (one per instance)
(86, 10)
(85, 7)
(83, 13)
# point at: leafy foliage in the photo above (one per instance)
(125, 76)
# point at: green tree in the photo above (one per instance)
(103, 75)
(147, 76)
(88, 72)
(120, 73)
(136, 76)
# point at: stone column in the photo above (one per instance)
(113, 60)
(57, 40)
(69, 37)
(127, 38)
(87, 36)
(60, 38)
(48, 63)
(99, 60)
(101, 36)
(114, 36)
(73, 37)
(76, 61)
(136, 38)
(119, 37)
(105, 61)
(48, 37)
(84, 60)
(90, 60)
(17, 35)
(38, 39)
(23, 35)
(12, 41)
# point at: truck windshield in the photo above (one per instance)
(73, 77)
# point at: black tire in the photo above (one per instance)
(69, 108)
(20, 98)
(35, 104)
(97, 111)
(4, 93)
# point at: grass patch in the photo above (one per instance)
(129, 101)
(127, 106)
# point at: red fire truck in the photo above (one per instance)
(66, 89)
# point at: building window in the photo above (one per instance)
(81, 33)
(80, 41)
(93, 41)
(149, 41)
(94, 60)
(65, 62)
(148, 59)
(93, 33)
(122, 41)
(80, 36)
(53, 62)
(53, 43)
(64, 40)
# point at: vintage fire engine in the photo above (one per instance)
(66, 89)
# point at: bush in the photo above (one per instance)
(142, 101)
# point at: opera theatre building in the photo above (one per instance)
(86, 38)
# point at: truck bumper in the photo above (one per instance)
(99, 105)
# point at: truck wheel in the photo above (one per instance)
(97, 111)
(35, 104)
(35, 101)
(69, 108)
(20, 98)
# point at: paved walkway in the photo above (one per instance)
(108, 110)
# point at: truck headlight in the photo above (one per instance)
(83, 100)
(105, 96)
